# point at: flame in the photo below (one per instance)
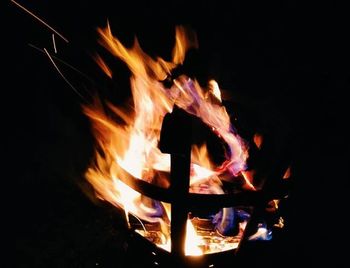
(184, 40)
(127, 141)
(103, 66)
(287, 174)
(258, 139)
(192, 241)
(262, 233)
(215, 90)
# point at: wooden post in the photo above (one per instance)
(176, 139)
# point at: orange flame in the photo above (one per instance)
(287, 174)
(258, 139)
(103, 66)
(129, 145)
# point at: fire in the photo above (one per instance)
(258, 139)
(103, 66)
(214, 89)
(129, 145)
(192, 241)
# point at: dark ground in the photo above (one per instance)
(285, 61)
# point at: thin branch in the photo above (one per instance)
(43, 22)
(54, 43)
(63, 62)
(64, 78)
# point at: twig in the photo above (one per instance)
(64, 78)
(43, 22)
(54, 43)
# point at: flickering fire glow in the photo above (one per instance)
(129, 145)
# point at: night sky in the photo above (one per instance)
(286, 65)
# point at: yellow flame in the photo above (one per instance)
(214, 89)
(280, 223)
(185, 39)
(192, 241)
(128, 141)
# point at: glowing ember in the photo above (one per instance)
(129, 145)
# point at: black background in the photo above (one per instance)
(288, 59)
